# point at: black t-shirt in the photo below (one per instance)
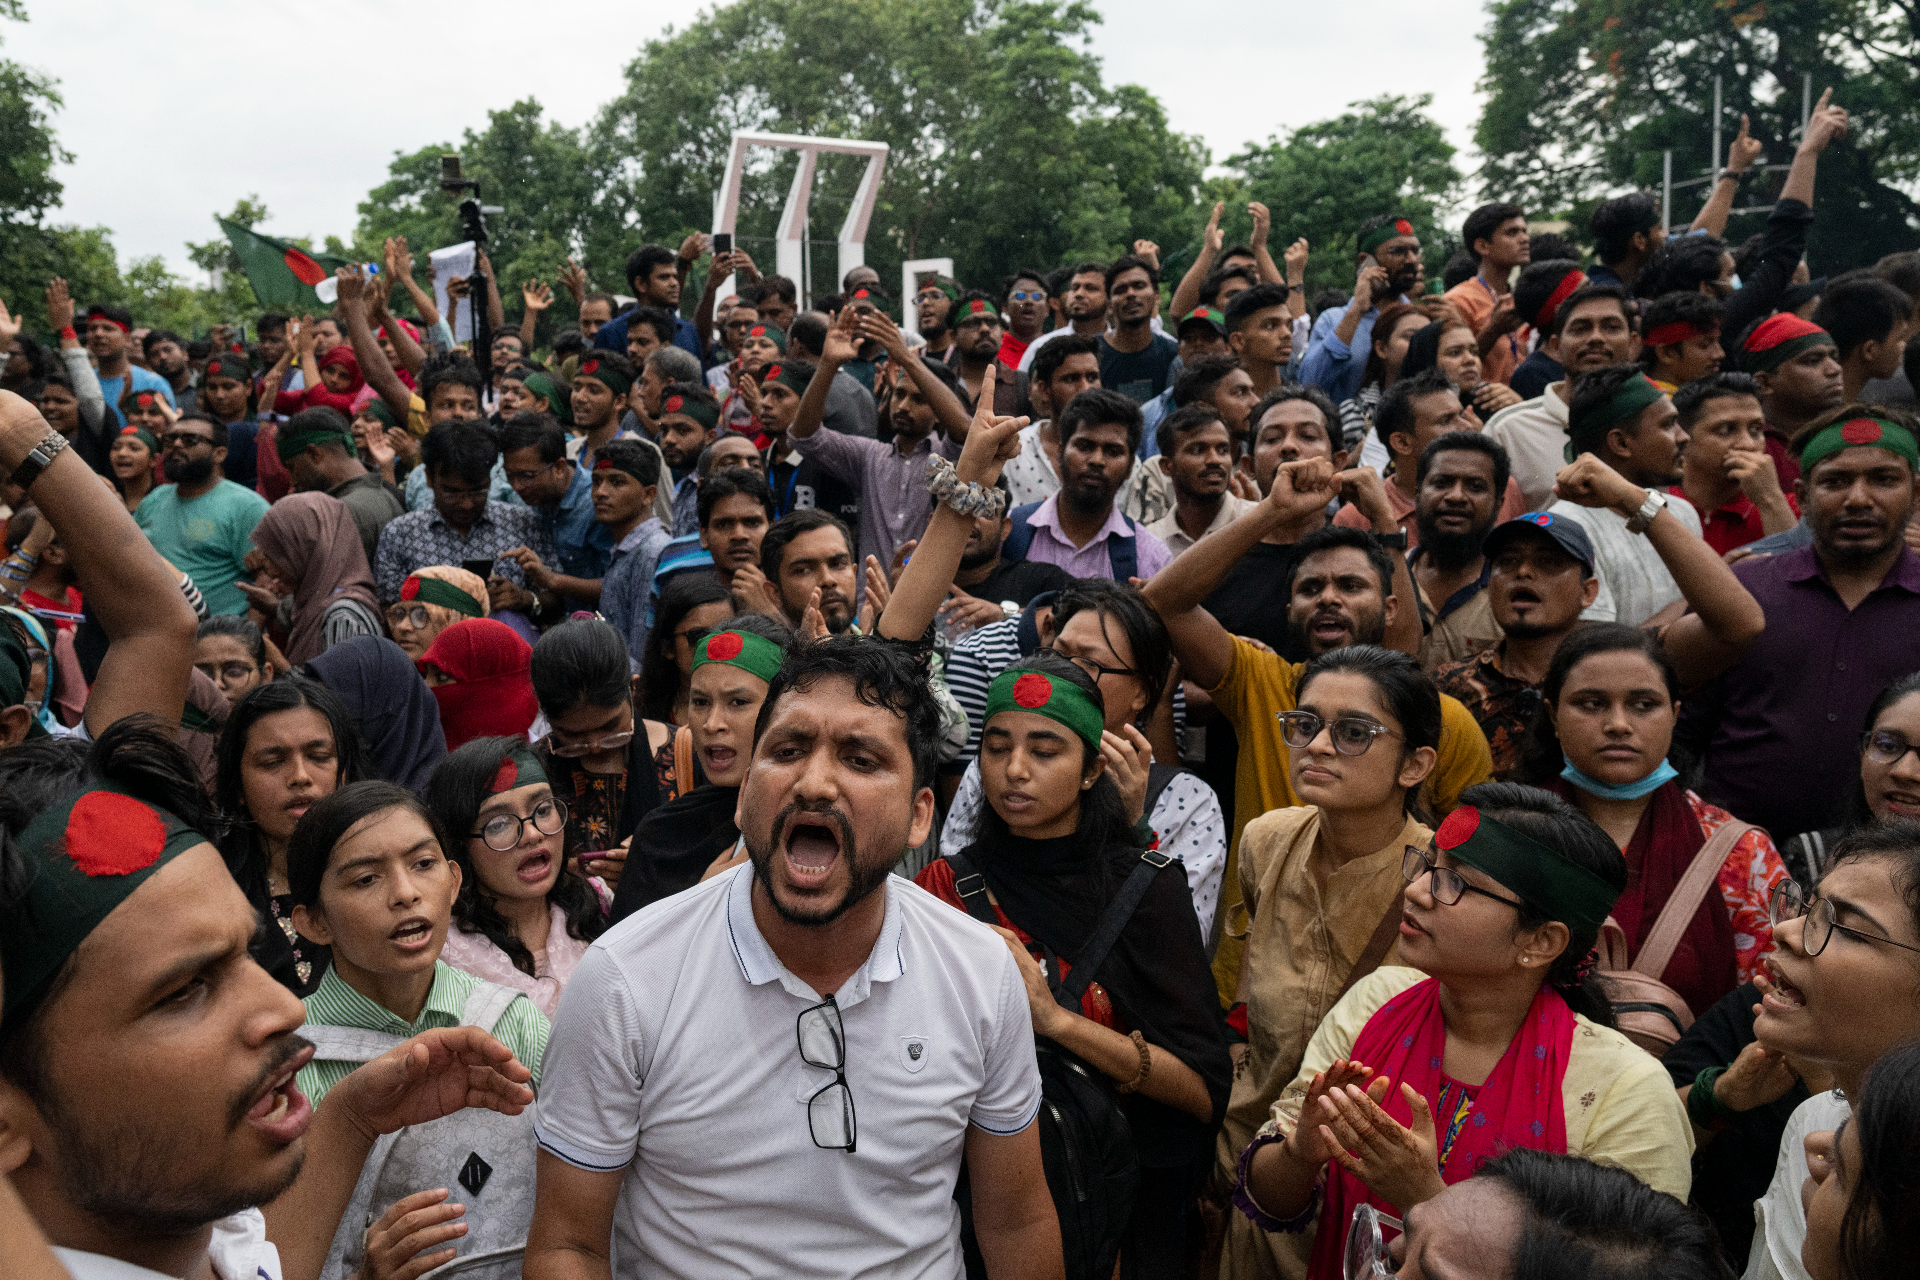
(1139, 375)
(1733, 1170)
(1020, 582)
(811, 485)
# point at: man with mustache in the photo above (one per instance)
(1387, 257)
(783, 1069)
(1196, 452)
(1082, 528)
(1459, 479)
(807, 561)
(202, 522)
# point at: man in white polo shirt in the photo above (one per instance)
(782, 1070)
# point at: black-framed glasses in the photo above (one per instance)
(823, 1044)
(1448, 884)
(1366, 1253)
(502, 831)
(185, 439)
(1788, 901)
(1882, 746)
(1351, 735)
(231, 672)
(1093, 669)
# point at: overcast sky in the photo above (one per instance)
(175, 110)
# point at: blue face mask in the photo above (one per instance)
(1628, 791)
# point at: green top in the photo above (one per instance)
(522, 1028)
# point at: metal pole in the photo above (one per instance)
(1806, 100)
(1666, 188)
(1716, 135)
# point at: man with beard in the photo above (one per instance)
(1065, 368)
(987, 589)
(915, 1052)
(108, 332)
(167, 356)
(1539, 576)
(1780, 731)
(319, 452)
(688, 420)
(977, 328)
(1084, 303)
(1591, 329)
(1797, 368)
(1080, 528)
(1680, 338)
(1388, 257)
(1196, 452)
(932, 310)
(1135, 360)
(1223, 384)
(202, 522)
(807, 562)
(1460, 477)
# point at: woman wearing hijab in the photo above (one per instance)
(1055, 847)
(432, 599)
(309, 543)
(479, 672)
(1492, 1039)
(334, 380)
(382, 690)
(1600, 742)
(48, 670)
(679, 842)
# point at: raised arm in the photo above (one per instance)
(302, 335)
(836, 350)
(535, 297)
(134, 593)
(1823, 126)
(878, 326)
(1740, 157)
(1186, 294)
(496, 310)
(1363, 487)
(1725, 618)
(73, 354)
(1262, 260)
(400, 266)
(352, 310)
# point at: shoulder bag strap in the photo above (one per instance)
(683, 760)
(1377, 947)
(485, 1005)
(1112, 922)
(972, 888)
(1664, 937)
(1158, 778)
(347, 1044)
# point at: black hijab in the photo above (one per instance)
(1423, 350)
(398, 716)
(672, 846)
(1156, 975)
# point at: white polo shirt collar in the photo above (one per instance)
(759, 965)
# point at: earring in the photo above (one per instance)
(1524, 960)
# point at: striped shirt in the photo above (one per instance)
(522, 1028)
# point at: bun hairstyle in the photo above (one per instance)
(1545, 817)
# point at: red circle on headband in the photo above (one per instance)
(605, 464)
(859, 293)
(977, 306)
(144, 399)
(128, 431)
(591, 366)
(1541, 518)
(410, 588)
(725, 647)
(1032, 690)
(504, 778)
(772, 373)
(1861, 431)
(213, 369)
(758, 331)
(113, 835)
(1458, 828)
(672, 405)
(1404, 227)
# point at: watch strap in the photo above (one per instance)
(38, 458)
(1392, 541)
(1649, 510)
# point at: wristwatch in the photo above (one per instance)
(1656, 503)
(50, 447)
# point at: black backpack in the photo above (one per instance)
(1086, 1144)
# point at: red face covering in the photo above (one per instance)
(492, 691)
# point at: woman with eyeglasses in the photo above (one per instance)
(522, 918)
(1055, 846)
(1889, 779)
(1491, 1039)
(610, 766)
(1600, 741)
(691, 605)
(1863, 1188)
(432, 599)
(1841, 989)
(233, 654)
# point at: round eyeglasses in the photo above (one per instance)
(502, 831)
(1788, 901)
(1351, 735)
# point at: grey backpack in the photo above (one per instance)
(484, 1159)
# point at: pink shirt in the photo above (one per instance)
(475, 953)
(1051, 546)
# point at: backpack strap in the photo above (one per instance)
(347, 1044)
(1123, 554)
(1020, 537)
(1376, 949)
(1687, 896)
(1108, 930)
(683, 760)
(486, 1004)
(972, 888)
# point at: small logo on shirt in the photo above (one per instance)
(913, 1053)
(474, 1173)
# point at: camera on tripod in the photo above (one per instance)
(473, 221)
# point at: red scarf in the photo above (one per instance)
(492, 693)
(1705, 965)
(1519, 1105)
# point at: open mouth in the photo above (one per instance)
(1905, 803)
(1522, 595)
(282, 1112)
(1329, 626)
(812, 847)
(413, 933)
(1785, 997)
(719, 759)
(536, 868)
(1409, 927)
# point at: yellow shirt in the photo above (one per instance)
(1258, 687)
(1620, 1106)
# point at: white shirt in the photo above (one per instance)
(1635, 583)
(239, 1250)
(1780, 1220)
(1534, 434)
(1186, 817)
(1167, 528)
(1026, 357)
(674, 1058)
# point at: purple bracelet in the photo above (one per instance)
(1244, 1202)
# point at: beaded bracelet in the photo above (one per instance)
(1146, 1065)
(969, 500)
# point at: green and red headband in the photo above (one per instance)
(1372, 239)
(135, 398)
(1217, 319)
(291, 446)
(1678, 331)
(1779, 339)
(444, 594)
(605, 374)
(143, 435)
(83, 858)
(772, 333)
(749, 651)
(1856, 433)
(380, 411)
(699, 410)
(787, 376)
(1060, 701)
(1633, 395)
(518, 768)
(1546, 879)
(974, 309)
(234, 367)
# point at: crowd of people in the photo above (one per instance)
(1116, 776)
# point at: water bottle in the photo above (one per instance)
(329, 289)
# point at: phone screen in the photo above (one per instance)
(723, 242)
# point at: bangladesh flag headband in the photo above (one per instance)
(1060, 701)
(1778, 340)
(787, 376)
(229, 367)
(772, 333)
(1546, 879)
(1635, 394)
(83, 858)
(699, 410)
(602, 372)
(144, 436)
(541, 385)
(1858, 432)
(976, 309)
(1371, 240)
(292, 446)
(754, 654)
(518, 768)
(444, 594)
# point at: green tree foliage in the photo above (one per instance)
(1584, 95)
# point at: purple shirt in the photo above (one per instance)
(1052, 546)
(1782, 727)
(894, 503)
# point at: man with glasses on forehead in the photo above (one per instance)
(782, 1070)
(202, 522)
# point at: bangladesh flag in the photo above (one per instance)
(282, 275)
